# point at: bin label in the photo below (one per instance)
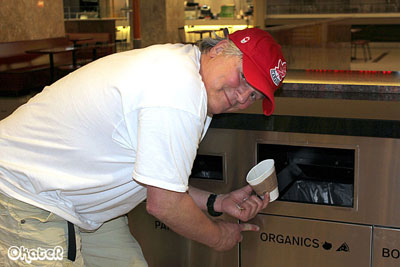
(301, 241)
(160, 225)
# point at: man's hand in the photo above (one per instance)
(241, 204)
(231, 234)
(182, 215)
(180, 212)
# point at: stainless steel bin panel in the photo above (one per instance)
(232, 148)
(162, 247)
(386, 244)
(377, 166)
(287, 241)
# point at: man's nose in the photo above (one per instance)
(243, 95)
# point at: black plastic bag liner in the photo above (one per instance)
(295, 185)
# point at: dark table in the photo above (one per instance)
(100, 46)
(55, 50)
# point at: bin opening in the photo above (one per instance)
(316, 175)
(209, 167)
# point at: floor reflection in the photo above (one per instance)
(333, 65)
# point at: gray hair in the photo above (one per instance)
(206, 44)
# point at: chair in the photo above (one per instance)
(359, 42)
(364, 44)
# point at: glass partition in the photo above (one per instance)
(337, 35)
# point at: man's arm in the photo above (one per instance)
(241, 203)
(182, 215)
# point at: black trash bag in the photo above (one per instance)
(295, 186)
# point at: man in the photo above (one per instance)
(125, 128)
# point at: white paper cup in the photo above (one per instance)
(262, 178)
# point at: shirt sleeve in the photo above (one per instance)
(167, 144)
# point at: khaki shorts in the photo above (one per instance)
(31, 236)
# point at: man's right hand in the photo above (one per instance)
(231, 234)
(182, 215)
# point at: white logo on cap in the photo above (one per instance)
(278, 73)
(245, 40)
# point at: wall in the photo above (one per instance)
(31, 19)
(113, 8)
(160, 20)
(174, 20)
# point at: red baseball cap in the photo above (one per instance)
(264, 66)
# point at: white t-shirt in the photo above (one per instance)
(77, 148)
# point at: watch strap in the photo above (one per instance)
(210, 206)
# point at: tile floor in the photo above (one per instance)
(385, 57)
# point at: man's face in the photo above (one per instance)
(227, 89)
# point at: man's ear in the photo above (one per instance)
(218, 48)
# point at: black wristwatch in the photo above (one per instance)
(210, 206)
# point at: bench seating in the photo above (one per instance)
(21, 72)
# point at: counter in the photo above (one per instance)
(309, 125)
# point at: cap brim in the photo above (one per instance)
(255, 78)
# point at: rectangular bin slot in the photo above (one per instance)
(208, 167)
(315, 175)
